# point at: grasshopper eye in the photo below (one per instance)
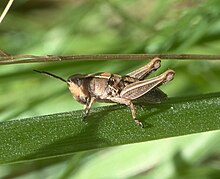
(76, 79)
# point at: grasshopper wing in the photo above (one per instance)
(153, 96)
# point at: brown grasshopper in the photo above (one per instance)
(107, 87)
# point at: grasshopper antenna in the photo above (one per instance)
(51, 75)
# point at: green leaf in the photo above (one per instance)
(65, 133)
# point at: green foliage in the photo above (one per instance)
(65, 133)
(92, 27)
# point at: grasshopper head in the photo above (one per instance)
(77, 79)
(78, 87)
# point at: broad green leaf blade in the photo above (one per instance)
(64, 133)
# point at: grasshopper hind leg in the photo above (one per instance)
(133, 112)
(146, 70)
(129, 103)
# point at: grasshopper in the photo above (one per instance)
(107, 87)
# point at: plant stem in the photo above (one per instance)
(16, 59)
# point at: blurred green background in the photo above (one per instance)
(94, 27)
